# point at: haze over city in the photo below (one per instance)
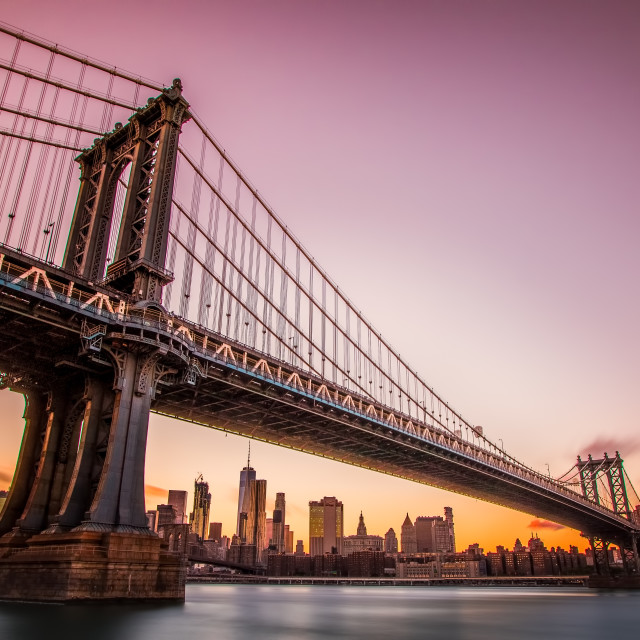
(467, 173)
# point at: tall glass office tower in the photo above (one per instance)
(247, 475)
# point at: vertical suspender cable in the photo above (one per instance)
(26, 226)
(11, 163)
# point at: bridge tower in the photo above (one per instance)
(591, 472)
(149, 142)
(74, 524)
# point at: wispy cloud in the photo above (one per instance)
(536, 523)
(610, 445)
(152, 490)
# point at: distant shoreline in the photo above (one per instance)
(491, 581)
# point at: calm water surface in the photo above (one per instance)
(264, 612)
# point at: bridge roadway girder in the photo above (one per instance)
(359, 442)
(42, 339)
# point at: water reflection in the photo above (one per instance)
(238, 612)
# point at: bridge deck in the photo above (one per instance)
(246, 392)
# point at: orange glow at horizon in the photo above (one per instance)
(178, 451)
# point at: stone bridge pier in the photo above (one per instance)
(74, 524)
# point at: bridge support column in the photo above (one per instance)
(77, 524)
(600, 550)
(630, 560)
(63, 420)
(118, 504)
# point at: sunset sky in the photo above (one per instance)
(467, 171)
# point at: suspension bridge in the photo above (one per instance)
(140, 271)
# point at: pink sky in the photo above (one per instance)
(467, 172)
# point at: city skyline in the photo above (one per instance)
(501, 257)
(439, 531)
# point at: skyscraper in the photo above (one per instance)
(255, 498)
(448, 517)
(279, 523)
(269, 534)
(246, 476)
(362, 527)
(326, 528)
(435, 533)
(199, 519)
(408, 536)
(425, 529)
(390, 542)
(178, 499)
(215, 531)
(166, 515)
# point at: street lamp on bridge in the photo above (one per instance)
(48, 231)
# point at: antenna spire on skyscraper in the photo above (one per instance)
(249, 456)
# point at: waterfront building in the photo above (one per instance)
(467, 564)
(495, 564)
(326, 526)
(365, 564)
(199, 518)
(408, 536)
(523, 563)
(329, 564)
(417, 566)
(281, 564)
(390, 542)
(461, 565)
(509, 563)
(178, 499)
(542, 563)
(242, 554)
(286, 564)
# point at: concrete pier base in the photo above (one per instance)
(87, 566)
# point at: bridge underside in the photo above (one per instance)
(228, 400)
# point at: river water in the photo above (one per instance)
(265, 612)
